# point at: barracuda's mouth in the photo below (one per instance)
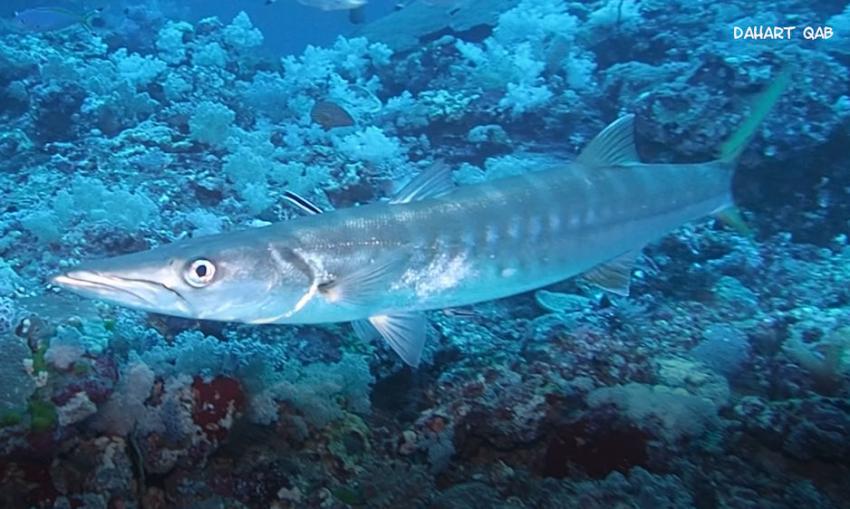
(137, 293)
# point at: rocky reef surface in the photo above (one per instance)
(722, 381)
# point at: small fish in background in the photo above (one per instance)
(52, 19)
(462, 312)
(330, 115)
(450, 4)
(355, 8)
(334, 5)
(444, 3)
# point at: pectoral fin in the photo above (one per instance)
(615, 275)
(364, 330)
(365, 284)
(404, 332)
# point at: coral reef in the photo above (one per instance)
(722, 381)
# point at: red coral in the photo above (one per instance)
(216, 404)
(28, 484)
(597, 445)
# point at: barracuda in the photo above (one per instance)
(381, 265)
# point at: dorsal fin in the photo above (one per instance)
(614, 145)
(431, 183)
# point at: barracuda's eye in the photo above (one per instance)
(200, 273)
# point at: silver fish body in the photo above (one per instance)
(501, 238)
(385, 263)
(478, 243)
(380, 265)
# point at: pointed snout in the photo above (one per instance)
(138, 293)
(94, 284)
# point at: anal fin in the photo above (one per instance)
(614, 275)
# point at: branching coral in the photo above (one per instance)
(341, 73)
(241, 35)
(529, 40)
(320, 392)
(826, 360)
(90, 200)
(370, 145)
(211, 123)
(170, 41)
(670, 413)
(139, 71)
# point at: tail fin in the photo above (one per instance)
(762, 104)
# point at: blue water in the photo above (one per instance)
(282, 23)
(721, 381)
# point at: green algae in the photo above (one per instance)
(42, 415)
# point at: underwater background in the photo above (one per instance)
(722, 381)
